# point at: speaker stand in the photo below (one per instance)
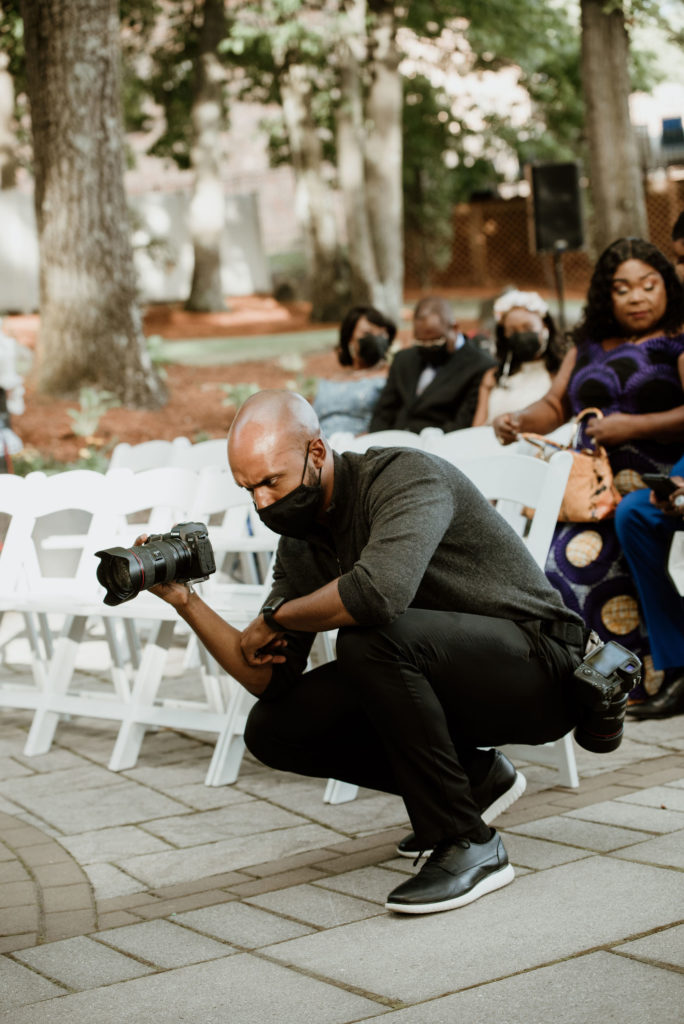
(559, 248)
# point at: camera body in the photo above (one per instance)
(602, 681)
(195, 537)
(183, 555)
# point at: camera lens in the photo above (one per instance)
(121, 574)
(124, 572)
(601, 728)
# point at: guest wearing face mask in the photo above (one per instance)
(435, 382)
(347, 404)
(528, 354)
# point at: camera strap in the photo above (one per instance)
(571, 633)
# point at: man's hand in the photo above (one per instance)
(507, 427)
(674, 505)
(617, 428)
(261, 645)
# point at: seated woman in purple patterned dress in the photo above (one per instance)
(629, 362)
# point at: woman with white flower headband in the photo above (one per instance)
(528, 353)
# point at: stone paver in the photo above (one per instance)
(630, 815)
(667, 850)
(665, 947)
(20, 986)
(321, 907)
(81, 963)
(239, 988)
(588, 835)
(164, 944)
(582, 991)
(245, 926)
(211, 858)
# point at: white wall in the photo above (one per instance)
(162, 248)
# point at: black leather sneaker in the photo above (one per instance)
(499, 791)
(456, 873)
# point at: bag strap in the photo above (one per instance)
(591, 410)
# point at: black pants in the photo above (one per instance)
(405, 707)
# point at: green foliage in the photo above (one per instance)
(236, 394)
(93, 405)
(30, 460)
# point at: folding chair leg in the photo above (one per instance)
(337, 792)
(59, 675)
(147, 680)
(118, 667)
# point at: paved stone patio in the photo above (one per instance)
(147, 895)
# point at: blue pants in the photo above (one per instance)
(645, 535)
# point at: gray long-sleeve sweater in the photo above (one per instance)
(407, 529)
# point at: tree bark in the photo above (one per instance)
(384, 191)
(8, 139)
(207, 207)
(351, 144)
(314, 211)
(616, 181)
(91, 328)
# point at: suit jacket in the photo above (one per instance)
(449, 401)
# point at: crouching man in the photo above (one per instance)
(450, 640)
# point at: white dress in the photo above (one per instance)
(528, 385)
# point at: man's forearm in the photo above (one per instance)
(223, 643)
(316, 612)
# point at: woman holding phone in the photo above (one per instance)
(628, 361)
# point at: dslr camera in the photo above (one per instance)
(602, 681)
(184, 554)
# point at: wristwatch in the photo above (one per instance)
(269, 611)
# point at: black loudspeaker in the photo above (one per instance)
(557, 208)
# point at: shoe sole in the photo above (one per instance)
(490, 883)
(505, 801)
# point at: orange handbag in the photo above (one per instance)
(590, 493)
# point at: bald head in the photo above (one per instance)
(272, 419)
(273, 437)
(434, 307)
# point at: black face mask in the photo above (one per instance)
(524, 345)
(433, 355)
(371, 348)
(295, 514)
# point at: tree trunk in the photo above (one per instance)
(616, 181)
(384, 190)
(352, 50)
(90, 329)
(207, 207)
(8, 139)
(328, 290)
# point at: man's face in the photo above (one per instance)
(269, 472)
(431, 331)
(678, 249)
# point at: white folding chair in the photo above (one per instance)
(471, 442)
(15, 536)
(536, 485)
(540, 486)
(212, 453)
(378, 439)
(147, 454)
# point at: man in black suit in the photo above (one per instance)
(436, 382)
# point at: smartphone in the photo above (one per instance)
(660, 483)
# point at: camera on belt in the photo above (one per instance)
(184, 554)
(602, 681)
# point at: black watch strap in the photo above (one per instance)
(269, 611)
